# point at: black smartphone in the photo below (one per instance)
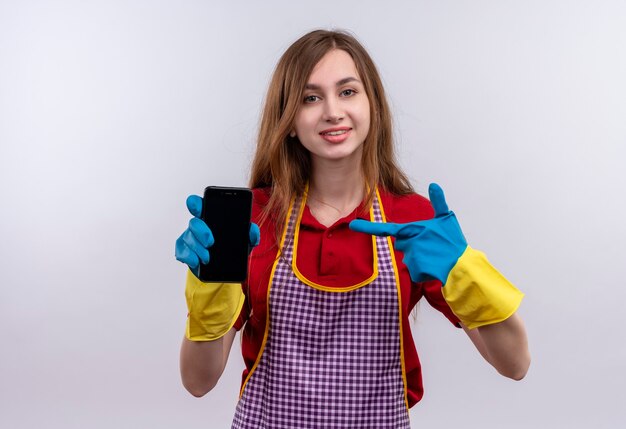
(227, 212)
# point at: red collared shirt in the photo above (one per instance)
(337, 256)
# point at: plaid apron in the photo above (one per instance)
(331, 359)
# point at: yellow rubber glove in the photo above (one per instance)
(477, 293)
(213, 308)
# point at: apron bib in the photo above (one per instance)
(331, 358)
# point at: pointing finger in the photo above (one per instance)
(375, 228)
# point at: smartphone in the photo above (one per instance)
(227, 213)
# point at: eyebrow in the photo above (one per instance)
(339, 83)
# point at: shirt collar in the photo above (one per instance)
(308, 220)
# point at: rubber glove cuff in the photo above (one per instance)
(213, 308)
(477, 293)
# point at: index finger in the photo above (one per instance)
(375, 228)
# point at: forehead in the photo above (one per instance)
(333, 67)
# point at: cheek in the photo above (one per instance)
(297, 123)
(306, 118)
(365, 117)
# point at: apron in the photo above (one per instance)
(331, 357)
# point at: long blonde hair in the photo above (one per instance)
(281, 162)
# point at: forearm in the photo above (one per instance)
(505, 346)
(487, 303)
(202, 362)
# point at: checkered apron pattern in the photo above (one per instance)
(331, 359)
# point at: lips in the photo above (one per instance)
(336, 135)
(335, 131)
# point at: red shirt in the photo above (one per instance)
(337, 256)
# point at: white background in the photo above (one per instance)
(111, 113)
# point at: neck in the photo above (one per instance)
(335, 190)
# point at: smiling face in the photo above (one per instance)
(334, 117)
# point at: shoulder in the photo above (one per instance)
(405, 208)
(267, 224)
(260, 198)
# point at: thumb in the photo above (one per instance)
(438, 200)
(254, 235)
(375, 228)
(194, 205)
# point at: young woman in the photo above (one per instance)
(347, 249)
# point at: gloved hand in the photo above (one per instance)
(436, 249)
(192, 247)
(431, 247)
(213, 307)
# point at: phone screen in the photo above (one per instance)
(227, 212)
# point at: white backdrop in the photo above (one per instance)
(112, 112)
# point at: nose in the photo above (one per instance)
(332, 110)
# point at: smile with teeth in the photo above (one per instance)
(335, 133)
(336, 136)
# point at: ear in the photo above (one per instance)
(292, 134)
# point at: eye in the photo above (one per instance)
(311, 98)
(348, 92)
